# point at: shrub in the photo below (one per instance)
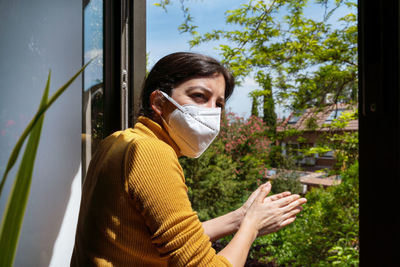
(324, 234)
(287, 181)
(211, 177)
(230, 169)
(277, 159)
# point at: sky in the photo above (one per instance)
(164, 38)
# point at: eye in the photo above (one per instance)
(221, 104)
(199, 97)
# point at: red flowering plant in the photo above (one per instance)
(242, 137)
(230, 169)
(246, 140)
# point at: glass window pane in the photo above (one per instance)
(334, 115)
(93, 90)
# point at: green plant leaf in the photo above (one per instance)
(39, 113)
(15, 209)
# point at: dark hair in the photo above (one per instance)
(177, 68)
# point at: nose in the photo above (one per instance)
(212, 103)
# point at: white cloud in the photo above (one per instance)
(93, 53)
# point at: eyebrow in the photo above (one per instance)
(191, 88)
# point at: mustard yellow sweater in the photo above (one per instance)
(135, 210)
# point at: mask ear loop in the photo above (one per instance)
(170, 99)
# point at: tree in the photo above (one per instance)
(268, 107)
(269, 115)
(254, 104)
(308, 59)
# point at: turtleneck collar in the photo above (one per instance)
(151, 128)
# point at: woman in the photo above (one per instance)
(135, 210)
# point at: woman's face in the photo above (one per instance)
(206, 92)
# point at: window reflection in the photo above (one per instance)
(93, 89)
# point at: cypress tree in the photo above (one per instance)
(269, 116)
(254, 104)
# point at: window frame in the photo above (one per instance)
(124, 64)
(379, 119)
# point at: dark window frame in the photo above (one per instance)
(120, 18)
(114, 17)
(111, 67)
(379, 119)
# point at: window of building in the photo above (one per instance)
(334, 115)
(294, 118)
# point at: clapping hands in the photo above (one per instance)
(270, 214)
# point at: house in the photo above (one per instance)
(308, 180)
(308, 127)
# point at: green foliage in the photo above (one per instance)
(36, 118)
(343, 143)
(244, 137)
(311, 123)
(276, 159)
(13, 216)
(321, 149)
(286, 181)
(308, 58)
(212, 176)
(326, 232)
(269, 115)
(268, 104)
(187, 25)
(12, 220)
(230, 169)
(268, 107)
(163, 4)
(345, 253)
(254, 105)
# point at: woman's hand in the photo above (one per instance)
(263, 215)
(230, 223)
(269, 214)
(243, 209)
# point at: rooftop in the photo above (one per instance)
(309, 178)
(317, 119)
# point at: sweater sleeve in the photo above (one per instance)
(156, 184)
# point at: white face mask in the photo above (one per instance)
(193, 128)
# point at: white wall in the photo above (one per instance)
(34, 37)
(65, 241)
